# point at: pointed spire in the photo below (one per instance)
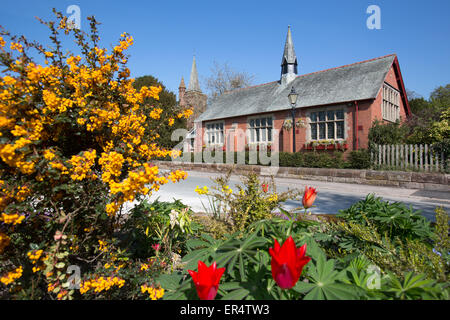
(289, 52)
(193, 81)
(182, 85)
(289, 60)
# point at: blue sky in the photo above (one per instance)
(249, 35)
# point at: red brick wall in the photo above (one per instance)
(371, 110)
(368, 111)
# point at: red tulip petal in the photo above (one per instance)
(218, 274)
(284, 277)
(193, 275)
(301, 251)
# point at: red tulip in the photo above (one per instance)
(308, 197)
(265, 187)
(287, 263)
(206, 280)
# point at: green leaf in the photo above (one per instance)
(326, 283)
(238, 294)
(169, 282)
(60, 265)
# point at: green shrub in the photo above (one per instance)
(359, 159)
(395, 219)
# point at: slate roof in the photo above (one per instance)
(358, 81)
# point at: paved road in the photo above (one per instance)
(331, 197)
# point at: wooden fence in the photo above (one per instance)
(417, 157)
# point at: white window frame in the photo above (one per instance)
(214, 132)
(390, 105)
(316, 123)
(251, 138)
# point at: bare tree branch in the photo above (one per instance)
(224, 78)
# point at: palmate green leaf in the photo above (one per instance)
(412, 287)
(239, 252)
(312, 248)
(238, 294)
(325, 283)
(205, 251)
(176, 286)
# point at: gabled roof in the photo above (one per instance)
(354, 82)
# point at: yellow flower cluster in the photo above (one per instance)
(273, 197)
(82, 165)
(49, 155)
(136, 182)
(59, 166)
(154, 293)
(204, 190)
(177, 175)
(11, 276)
(4, 241)
(124, 44)
(146, 266)
(111, 165)
(185, 113)
(226, 189)
(13, 218)
(103, 246)
(22, 193)
(16, 46)
(34, 256)
(156, 113)
(39, 102)
(116, 268)
(100, 284)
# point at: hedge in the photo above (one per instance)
(356, 160)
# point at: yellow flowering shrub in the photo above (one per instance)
(77, 141)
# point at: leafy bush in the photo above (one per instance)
(249, 203)
(76, 139)
(166, 224)
(395, 219)
(387, 133)
(359, 159)
(352, 276)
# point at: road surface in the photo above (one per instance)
(331, 198)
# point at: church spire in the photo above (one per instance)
(193, 81)
(182, 85)
(289, 60)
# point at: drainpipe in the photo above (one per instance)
(356, 125)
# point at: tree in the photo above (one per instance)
(429, 123)
(168, 103)
(223, 78)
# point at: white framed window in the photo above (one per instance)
(327, 124)
(260, 129)
(214, 133)
(390, 108)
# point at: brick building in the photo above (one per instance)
(336, 105)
